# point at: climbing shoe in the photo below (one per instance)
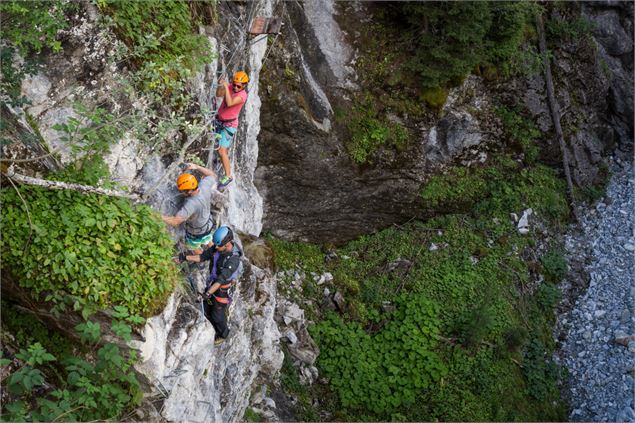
(224, 181)
(219, 341)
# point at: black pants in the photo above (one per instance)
(215, 313)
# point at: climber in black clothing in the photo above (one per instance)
(225, 268)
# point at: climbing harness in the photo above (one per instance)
(223, 290)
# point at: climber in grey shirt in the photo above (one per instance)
(196, 211)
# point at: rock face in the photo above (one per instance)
(198, 381)
(315, 192)
(613, 31)
(194, 380)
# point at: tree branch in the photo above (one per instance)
(84, 189)
(33, 159)
(555, 113)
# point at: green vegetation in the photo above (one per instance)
(444, 41)
(27, 330)
(27, 27)
(369, 132)
(162, 36)
(569, 24)
(288, 254)
(101, 251)
(251, 415)
(554, 265)
(456, 330)
(65, 387)
(460, 188)
(383, 372)
(291, 383)
(33, 25)
(496, 189)
(520, 130)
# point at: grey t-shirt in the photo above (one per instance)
(196, 209)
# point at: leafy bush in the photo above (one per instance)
(520, 130)
(445, 41)
(369, 132)
(547, 297)
(33, 25)
(459, 188)
(555, 265)
(163, 37)
(474, 325)
(99, 250)
(384, 372)
(541, 372)
(99, 390)
(290, 255)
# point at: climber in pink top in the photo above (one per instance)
(234, 97)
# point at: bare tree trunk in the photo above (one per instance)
(84, 189)
(555, 113)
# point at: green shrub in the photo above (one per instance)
(99, 250)
(520, 130)
(444, 41)
(33, 25)
(163, 39)
(574, 27)
(541, 372)
(474, 325)
(435, 97)
(252, 416)
(99, 389)
(555, 265)
(291, 255)
(370, 132)
(547, 297)
(458, 189)
(385, 372)
(515, 338)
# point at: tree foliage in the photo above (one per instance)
(445, 40)
(99, 250)
(387, 371)
(85, 389)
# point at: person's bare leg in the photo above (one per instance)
(224, 157)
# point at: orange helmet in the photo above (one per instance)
(186, 181)
(241, 77)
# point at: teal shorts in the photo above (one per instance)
(226, 134)
(194, 242)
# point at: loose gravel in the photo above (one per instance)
(598, 348)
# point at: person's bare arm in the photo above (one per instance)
(194, 258)
(229, 100)
(220, 91)
(205, 171)
(213, 288)
(173, 220)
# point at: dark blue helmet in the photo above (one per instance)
(222, 236)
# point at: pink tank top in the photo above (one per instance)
(229, 113)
